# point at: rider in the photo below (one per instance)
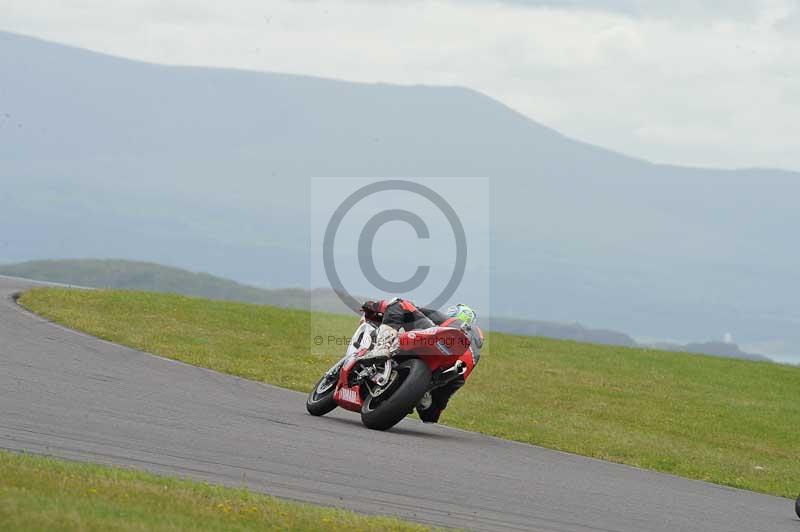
(397, 314)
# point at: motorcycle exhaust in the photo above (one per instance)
(450, 374)
(459, 368)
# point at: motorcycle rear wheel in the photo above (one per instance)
(797, 507)
(320, 403)
(389, 408)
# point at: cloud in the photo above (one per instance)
(650, 8)
(706, 91)
(790, 23)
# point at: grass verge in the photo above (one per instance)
(731, 422)
(38, 493)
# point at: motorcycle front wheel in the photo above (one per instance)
(407, 385)
(320, 401)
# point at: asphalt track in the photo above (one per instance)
(66, 394)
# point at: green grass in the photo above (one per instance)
(38, 493)
(726, 421)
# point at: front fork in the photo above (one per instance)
(333, 373)
(364, 335)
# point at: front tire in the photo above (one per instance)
(320, 401)
(382, 414)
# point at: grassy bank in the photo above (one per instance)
(38, 493)
(727, 421)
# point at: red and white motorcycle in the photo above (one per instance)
(385, 390)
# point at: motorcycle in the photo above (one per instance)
(385, 390)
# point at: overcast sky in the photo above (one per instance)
(713, 83)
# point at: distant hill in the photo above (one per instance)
(209, 169)
(721, 349)
(561, 331)
(134, 275)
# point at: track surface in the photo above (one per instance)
(66, 394)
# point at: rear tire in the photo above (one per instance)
(389, 412)
(797, 507)
(319, 404)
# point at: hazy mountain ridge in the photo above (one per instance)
(207, 168)
(133, 275)
(723, 349)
